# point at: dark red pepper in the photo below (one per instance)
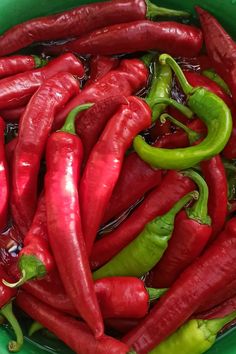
(35, 125)
(16, 90)
(64, 156)
(127, 79)
(159, 201)
(175, 38)
(105, 161)
(12, 114)
(74, 333)
(221, 48)
(122, 325)
(4, 180)
(219, 311)
(9, 150)
(209, 273)
(19, 63)
(100, 66)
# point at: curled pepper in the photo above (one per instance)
(218, 122)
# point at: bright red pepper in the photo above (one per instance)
(4, 180)
(18, 64)
(128, 78)
(105, 161)
(74, 333)
(64, 156)
(191, 234)
(100, 66)
(16, 90)
(159, 201)
(92, 122)
(12, 114)
(208, 274)
(35, 126)
(221, 48)
(175, 38)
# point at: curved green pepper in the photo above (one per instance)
(212, 75)
(214, 113)
(194, 337)
(142, 254)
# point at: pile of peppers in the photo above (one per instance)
(118, 179)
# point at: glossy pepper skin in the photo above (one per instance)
(99, 66)
(128, 78)
(105, 161)
(218, 121)
(35, 125)
(16, 90)
(221, 48)
(175, 38)
(192, 231)
(6, 296)
(4, 180)
(74, 333)
(159, 201)
(143, 253)
(209, 273)
(64, 154)
(82, 19)
(19, 63)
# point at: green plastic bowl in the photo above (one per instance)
(16, 11)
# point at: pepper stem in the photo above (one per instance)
(169, 101)
(217, 324)
(147, 58)
(199, 211)
(155, 294)
(167, 59)
(154, 11)
(69, 125)
(35, 327)
(192, 135)
(39, 62)
(13, 346)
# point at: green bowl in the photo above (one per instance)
(15, 11)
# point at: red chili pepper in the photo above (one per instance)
(4, 182)
(74, 333)
(35, 126)
(19, 63)
(92, 122)
(6, 296)
(16, 90)
(105, 161)
(175, 38)
(12, 114)
(191, 233)
(221, 48)
(80, 20)
(9, 150)
(100, 66)
(159, 201)
(127, 79)
(219, 311)
(63, 158)
(122, 325)
(208, 274)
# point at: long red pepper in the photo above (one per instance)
(208, 274)
(172, 37)
(64, 155)
(35, 125)
(9, 150)
(128, 78)
(191, 233)
(82, 19)
(16, 90)
(159, 201)
(100, 66)
(105, 161)
(4, 180)
(221, 48)
(12, 114)
(219, 311)
(74, 333)
(19, 63)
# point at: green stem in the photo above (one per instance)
(212, 75)
(35, 327)
(69, 125)
(180, 107)
(229, 166)
(148, 58)
(192, 135)
(39, 62)
(13, 346)
(154, 11)
(199, 211)
(217, 324)
(167, 59)
(155, 294)
(2, 320)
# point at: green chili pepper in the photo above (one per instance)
(143, 253)
(211, 74)
(194, 337)
(206, 105)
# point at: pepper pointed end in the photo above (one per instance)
(20, 282)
